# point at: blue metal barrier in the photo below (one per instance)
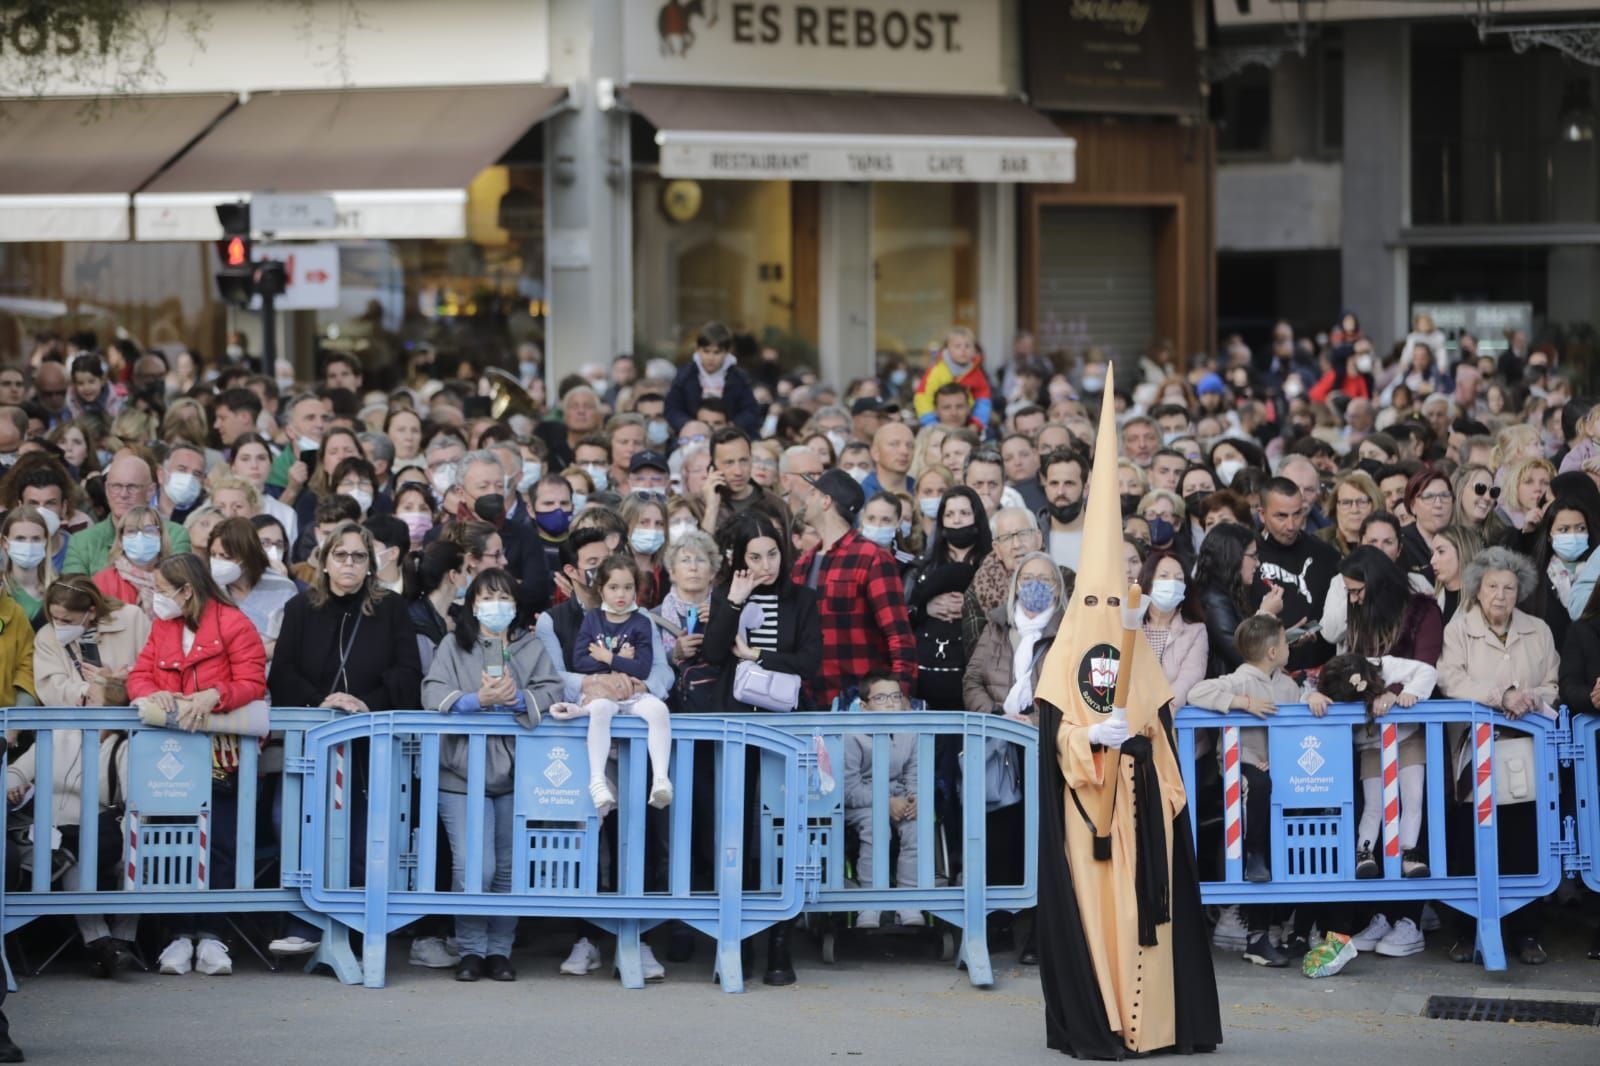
(171, 887)
(965, 905)
(1585, 756)
(557, 832)
(1313, 828)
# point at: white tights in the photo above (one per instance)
(659, 740)
(1412, 779)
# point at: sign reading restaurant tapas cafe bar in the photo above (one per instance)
(687, 154)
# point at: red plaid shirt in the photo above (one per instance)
(864, 622)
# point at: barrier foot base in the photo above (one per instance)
(374, 955)
(1491, 948)
(974, 955)
(628, 966)
(335, 953)
(730, 966)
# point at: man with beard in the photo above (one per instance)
(1062, 516)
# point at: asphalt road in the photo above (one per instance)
(885, 1001)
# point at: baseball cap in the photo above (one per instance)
(842, 489)
(647, 458)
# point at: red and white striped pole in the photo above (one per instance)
(1485, 791)
(338, 777)
(204, 838)
(133, 850)
(1391, 790)
(1232, 796)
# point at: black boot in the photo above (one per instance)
(780, 969)
(9, 1052)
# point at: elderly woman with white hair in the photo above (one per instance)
(1503, 658)
(999, 679)
(691, 562)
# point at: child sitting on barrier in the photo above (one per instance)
(881, 692)
(1256, 687)
(1382, 684)
(617, 636)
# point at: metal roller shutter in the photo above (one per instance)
(1097, 280)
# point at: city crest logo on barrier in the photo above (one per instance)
(1097, 677)
(675, 24)
(557, 772)
(1310, 761)
(170, 765)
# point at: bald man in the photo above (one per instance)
(50, 384)
(892, 447)
(130, 483)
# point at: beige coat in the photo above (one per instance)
(1476, 666)
(1216, 693)
(60, 683)
(66, 796)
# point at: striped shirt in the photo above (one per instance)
(765, 636)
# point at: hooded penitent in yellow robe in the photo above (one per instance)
(1124, 958)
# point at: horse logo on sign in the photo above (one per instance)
(675, 24)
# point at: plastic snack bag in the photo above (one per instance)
(1328, 957)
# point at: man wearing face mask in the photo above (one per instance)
(129, 481)
(552, 516)
(309, 416)
(1065, 483)
(481, 497)
(182, 482)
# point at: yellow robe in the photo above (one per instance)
(1136, 983)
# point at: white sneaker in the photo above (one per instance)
(1404, 939)
(653, 970)
(585, 958)
(434, 953)
(1230, 933)
(1430, 919)
(212, 958)
(293, 945)
(604, 799)
(868, 919)
(911, 919)
(178, 956)
(1376, 930)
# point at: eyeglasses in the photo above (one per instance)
(1357, 503)
(1482, 489)
(115, 488)
(497, 554)
(1015, 538)
(345, 558)
(149, 531)
(883, 699)
(1435, 497)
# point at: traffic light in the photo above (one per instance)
(236, 279)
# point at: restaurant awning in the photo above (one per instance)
(68, 164)
(396, 161)
(813, 136)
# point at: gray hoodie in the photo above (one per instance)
(457, 671)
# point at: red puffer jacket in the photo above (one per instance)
(227, 655)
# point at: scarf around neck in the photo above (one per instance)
(712, 384)
(1029, 630)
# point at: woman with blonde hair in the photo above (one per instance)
(1355, 496)
(134, 428)
(28, 567)
(199, 526)
(925, 452)
(140, 545)
(1526, 494)
(1514, 444)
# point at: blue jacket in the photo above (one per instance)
(744, 410)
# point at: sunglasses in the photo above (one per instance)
(1491, 491)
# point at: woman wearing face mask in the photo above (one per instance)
(691, 561)
(203, 658)
(936, 480)
(1230, 456)
(646, 521)
(1173, 625)
(1563, 545)
(436, 583)
(684, 514)
(489, 663)
(274, 542)
(24, 537)
(338, 444)
(999, 679)
(252, 461)
(413, 505)
(82, 659)
(934, 595)
(130, 573)
(880, 523)
(240, 568)
(582, 486)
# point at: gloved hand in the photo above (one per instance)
(1109, 733)
(1133, 617)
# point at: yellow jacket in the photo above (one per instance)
(16, 652)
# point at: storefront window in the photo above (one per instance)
(716, 250)
(924, 249)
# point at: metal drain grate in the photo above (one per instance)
(1480, 1009)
